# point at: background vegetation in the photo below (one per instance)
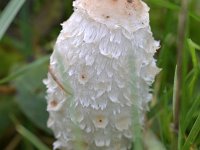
(173, 121)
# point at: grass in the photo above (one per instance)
(25, 49)
(8, 14)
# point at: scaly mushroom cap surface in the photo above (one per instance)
(100, 70)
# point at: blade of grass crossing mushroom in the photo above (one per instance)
(136, 128)
(9, 14)
(65, 83)
(66, 87)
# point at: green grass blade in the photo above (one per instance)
(25, 69)
(191, 112)
(174, 91)
(31, 138)
(180, 138)
(172, 6)
(9, 14)
(192, 47)
(193, 134)
(194, 16)
(136, 114)
(165, 4)
(193, 44)
(137, 129)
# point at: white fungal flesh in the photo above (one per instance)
(90, 87)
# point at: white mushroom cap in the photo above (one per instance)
(129, 14)
(100, 71)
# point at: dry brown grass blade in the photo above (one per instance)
(58, 82)
(182, 25)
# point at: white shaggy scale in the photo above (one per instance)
(102, 65)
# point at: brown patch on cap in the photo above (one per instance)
(129, 1)
(83, 76)
(53, 103)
